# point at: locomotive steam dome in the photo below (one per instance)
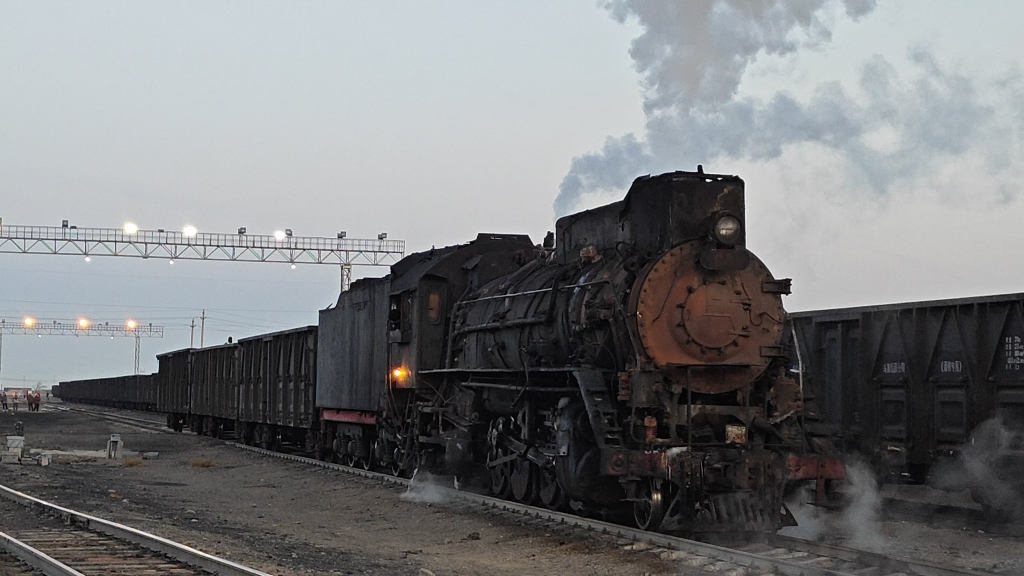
(687, 316)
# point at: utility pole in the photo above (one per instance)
(202, 329)
(192, 334)
(138, 352)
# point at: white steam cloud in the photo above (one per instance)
(980, 469)
(426, 488)
(860, 519)
(889, 131)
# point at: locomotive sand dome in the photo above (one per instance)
(637, 364)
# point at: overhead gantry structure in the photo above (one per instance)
(29, 326)
(189, 244)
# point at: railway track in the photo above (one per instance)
(85, 545)
(778, 555)
(143, 423)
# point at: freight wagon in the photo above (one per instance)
(277, 389)
(174, 382)
(213, 394)
(918, 384)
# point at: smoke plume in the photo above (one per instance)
(888, 131)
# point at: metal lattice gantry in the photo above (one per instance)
(190, 244)
(32, 327)
(78, 328)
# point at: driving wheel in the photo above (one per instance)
(501, 485)
(649, 507)
(523, 480)
(550, 493)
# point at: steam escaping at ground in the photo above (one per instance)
(888, 132)
(860, 519)
(811, 523)
(426, 488)
(858, 525)
(983, 468)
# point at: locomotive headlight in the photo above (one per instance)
(398, 373)
(727, 230)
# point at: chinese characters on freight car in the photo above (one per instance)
(945, 366)
(894, 368)
(1014, 352)
(948, 366)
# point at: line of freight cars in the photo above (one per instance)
(127, 392)
(926, 391)
(262, 389)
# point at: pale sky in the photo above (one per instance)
(432, 122)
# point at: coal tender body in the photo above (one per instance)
(383, 336)
(636, 368)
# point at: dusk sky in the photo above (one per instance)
(881, 144)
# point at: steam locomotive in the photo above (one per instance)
(634, 368)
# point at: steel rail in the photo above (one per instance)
(34, 558)
(180, 552)
(894, 564)
(150, 425)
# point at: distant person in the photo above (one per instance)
(3, 399)
(14, 402)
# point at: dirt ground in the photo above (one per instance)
(290, 519)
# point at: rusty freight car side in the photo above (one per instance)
(910, 384)
(277, 387)
(137, 392)
(214, 393)
(174, 380)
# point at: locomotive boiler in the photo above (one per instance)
(633, 366)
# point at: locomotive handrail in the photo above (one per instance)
(531, 292)
(500, 325)
(499, 370)
(552, 389)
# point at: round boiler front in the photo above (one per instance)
(708, 328)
